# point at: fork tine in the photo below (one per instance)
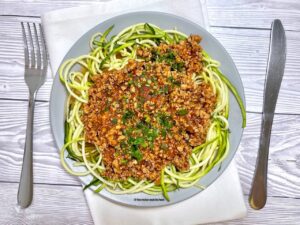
(44, 52)
(38, 52)
(26, 53)
(32, 63)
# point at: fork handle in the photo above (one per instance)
(25, 191)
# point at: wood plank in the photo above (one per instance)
(66, 205)
(284, 161)
(12, 83)
(46, 164)
(233, 13)
(284, 170)
(38, 7)
(249, 49)
(51, 205)
(253, 13)
(277, 210)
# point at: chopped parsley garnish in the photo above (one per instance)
(136, 153)
(141, 125)
(138, 141)
(125, 98)
(141, 99)
(177, 66)
(173, 81)
(127, 116)
(124, 161)
(165, 120)
(182, 112)
(114, 121)
(164, 90)
(107, 106)
(169, 58)
(128, 131)
(134, 149)
(142, 135)
(151, 134)
(147, 118)
(123, 144)
(163, 132)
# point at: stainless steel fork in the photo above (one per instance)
(35, 74)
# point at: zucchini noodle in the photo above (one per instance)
(103, 56)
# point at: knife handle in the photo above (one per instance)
(258, 194)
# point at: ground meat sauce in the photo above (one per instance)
(150, 113)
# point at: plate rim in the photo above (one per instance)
(172, 16)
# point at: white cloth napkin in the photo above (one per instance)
(221, 201)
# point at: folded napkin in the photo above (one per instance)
(223, 200)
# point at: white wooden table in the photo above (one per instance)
(243, 27)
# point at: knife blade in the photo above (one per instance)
(274, 74)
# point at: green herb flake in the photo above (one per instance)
(152, 134)
(154, 56)
(165, 120)
(177, 66)
(124, 161)
(144, 145)
(147, 118)
(136, 153)
(127, 115)
(107, 106)
(114, 121)
(123, 145)
(139, 141)
(163, 132)
(169, 57)
(173, 81)
(182, 112)
(128, 131)
(164, 90)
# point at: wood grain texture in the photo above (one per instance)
(249, 49)
(38, 7)
(62, 202)
(254, 13)
(62, 205)
(12, 64)
(284, 173)
(51, 204)
(277, 211)
(47, 168)
(234, 13)
(284, 158)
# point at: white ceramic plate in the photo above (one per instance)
(212, 47)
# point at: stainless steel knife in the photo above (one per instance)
(275, 70)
